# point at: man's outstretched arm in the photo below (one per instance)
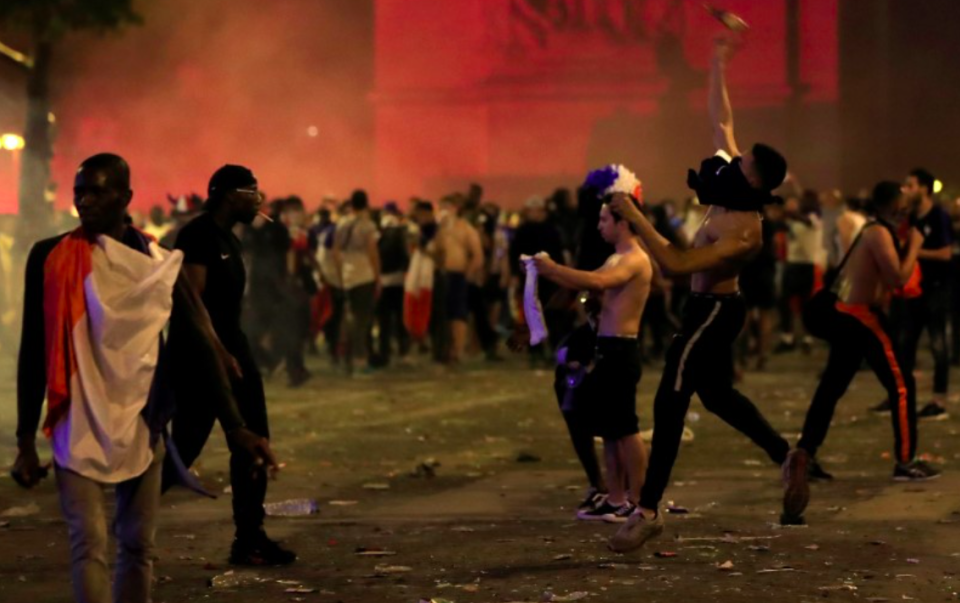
(718, 102)
(608, 277)
(673, 260)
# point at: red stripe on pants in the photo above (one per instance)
(868, 319)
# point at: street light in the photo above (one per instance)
(11, 142)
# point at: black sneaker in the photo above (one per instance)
(933, 412)
(259, 551)
(884, 407)
(594, 499)
(915, 471)
(598, 513)
(621, 514)
(816, 472)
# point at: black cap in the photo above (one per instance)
(230, 178)
(770, 165)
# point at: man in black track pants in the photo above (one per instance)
(857, 330)
(736, 185)
(214, 266)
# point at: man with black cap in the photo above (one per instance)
(214, 266)
(95, 302)
(700, 360)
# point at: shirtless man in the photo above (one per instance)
(461, 258)
(736, 186)
(625, 282)
(858, 330)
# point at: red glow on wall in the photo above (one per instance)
(518, 94)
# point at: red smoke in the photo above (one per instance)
(201, 84)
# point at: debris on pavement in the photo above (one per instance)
(22, 511)
(383, 570)
(777, 568)
(526, 457)
(726, 566)
(365, 552)
(376, 486)
(550, 597)
(427, 469)
(294, 507)
(232, 579)
(839, 587)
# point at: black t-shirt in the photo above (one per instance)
(936, 229)
(204, 243)
(394, 256)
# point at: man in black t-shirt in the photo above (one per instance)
(394, 247)
(930, 310)
(213, 263)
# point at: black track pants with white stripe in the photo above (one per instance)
(700, 361)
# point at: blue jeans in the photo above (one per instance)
(134, 526)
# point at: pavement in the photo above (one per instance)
(422, 496)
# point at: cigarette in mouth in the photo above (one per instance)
(265, 216)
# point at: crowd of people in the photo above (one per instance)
(591, 283)
(353, 295)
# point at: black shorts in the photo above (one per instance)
(798, 280)
(492, 291)
(458, 296)
(613, 387)
(759, 288)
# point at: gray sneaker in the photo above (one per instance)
(636, 532)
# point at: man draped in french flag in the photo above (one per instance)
(95, 302)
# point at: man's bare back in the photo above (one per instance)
(623, 305)
(733, 227)
(875, 267)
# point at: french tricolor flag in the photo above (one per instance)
(418, 295)
(105, 305)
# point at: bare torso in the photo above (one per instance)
(454, 239)
(623, 306)
(860, 281)
(719, 223)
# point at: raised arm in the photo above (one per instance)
(718, 102)
(894, 272)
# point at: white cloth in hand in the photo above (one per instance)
(532, 310)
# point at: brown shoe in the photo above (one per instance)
(796, 489)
